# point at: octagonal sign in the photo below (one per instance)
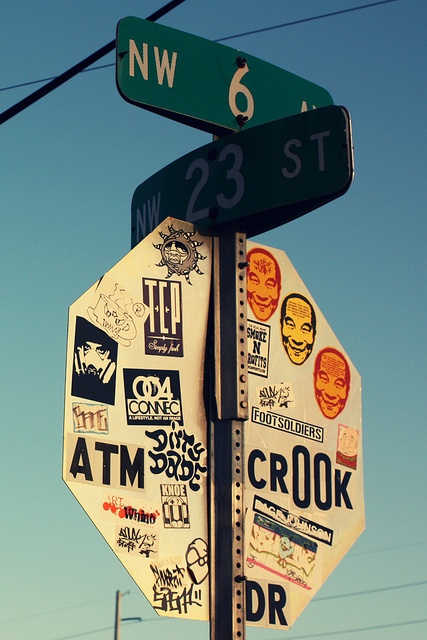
(303, 444)
(135, 431)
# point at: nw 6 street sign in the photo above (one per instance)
(205, 84)
(254, 180)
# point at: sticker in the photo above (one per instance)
(153, 397)
(263, 283)
(348, 443)
(331, 382)
(90, 418)
(95, 361)
(104, 464)
(275, 396)
(179, 253)
(178, 456)
(296, 523)
(282, 551)
(134, 510)
(163, 327)
(115, 311)
(135, 540)
(176, 514)
(298, 327)
(288, 424)
(258, 346)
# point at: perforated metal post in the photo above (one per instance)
(227, 424)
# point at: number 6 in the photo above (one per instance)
(237, 87)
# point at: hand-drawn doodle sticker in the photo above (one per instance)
(115, 311)
(197, 560)
(263, 282)
(347, 446)
(275, 396)
(179, 253)
(90, 418)
(298, 327)
(331, 381)
(94, 366)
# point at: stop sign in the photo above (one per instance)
(303, 444)
(135, 431)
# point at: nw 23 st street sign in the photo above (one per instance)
(205, 84)
(255, 180)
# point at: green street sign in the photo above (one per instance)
(254, 180)
(205, 84)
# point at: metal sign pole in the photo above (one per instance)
(226, 437)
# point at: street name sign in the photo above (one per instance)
(135, 429)
(303, 491)
(255, 180)
(205, 84)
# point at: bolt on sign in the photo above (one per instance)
(135, 431)
(205, 84)
(303, 444)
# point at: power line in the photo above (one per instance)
(378, 590)
(316, 599)
(82, 66)
(376, 627)
(90, 633)
(25, 84)
(54, 611)
(77, 68)
(323, 15)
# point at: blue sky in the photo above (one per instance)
(71, 163)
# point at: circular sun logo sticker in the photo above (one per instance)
(179, 253)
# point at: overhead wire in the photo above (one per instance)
(375, 627)
(317, 634)
(90, 633)
(77, 68)
(316, 599)
(56, 81)
(301, 20)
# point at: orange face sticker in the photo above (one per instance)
(298, 327)
(331, 382)
(263, 283)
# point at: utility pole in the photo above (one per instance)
(118, 619)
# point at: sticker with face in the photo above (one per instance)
(94, 367)
(263, 283)
(298, 327)
(331, 382)
(348, 442)
(180, 253)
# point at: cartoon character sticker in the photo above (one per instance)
(115, 311)
(263, 283)
(347, 445)
(331, 382)
(282, 551)
(298, 327)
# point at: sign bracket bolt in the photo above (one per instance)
(241, 119)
